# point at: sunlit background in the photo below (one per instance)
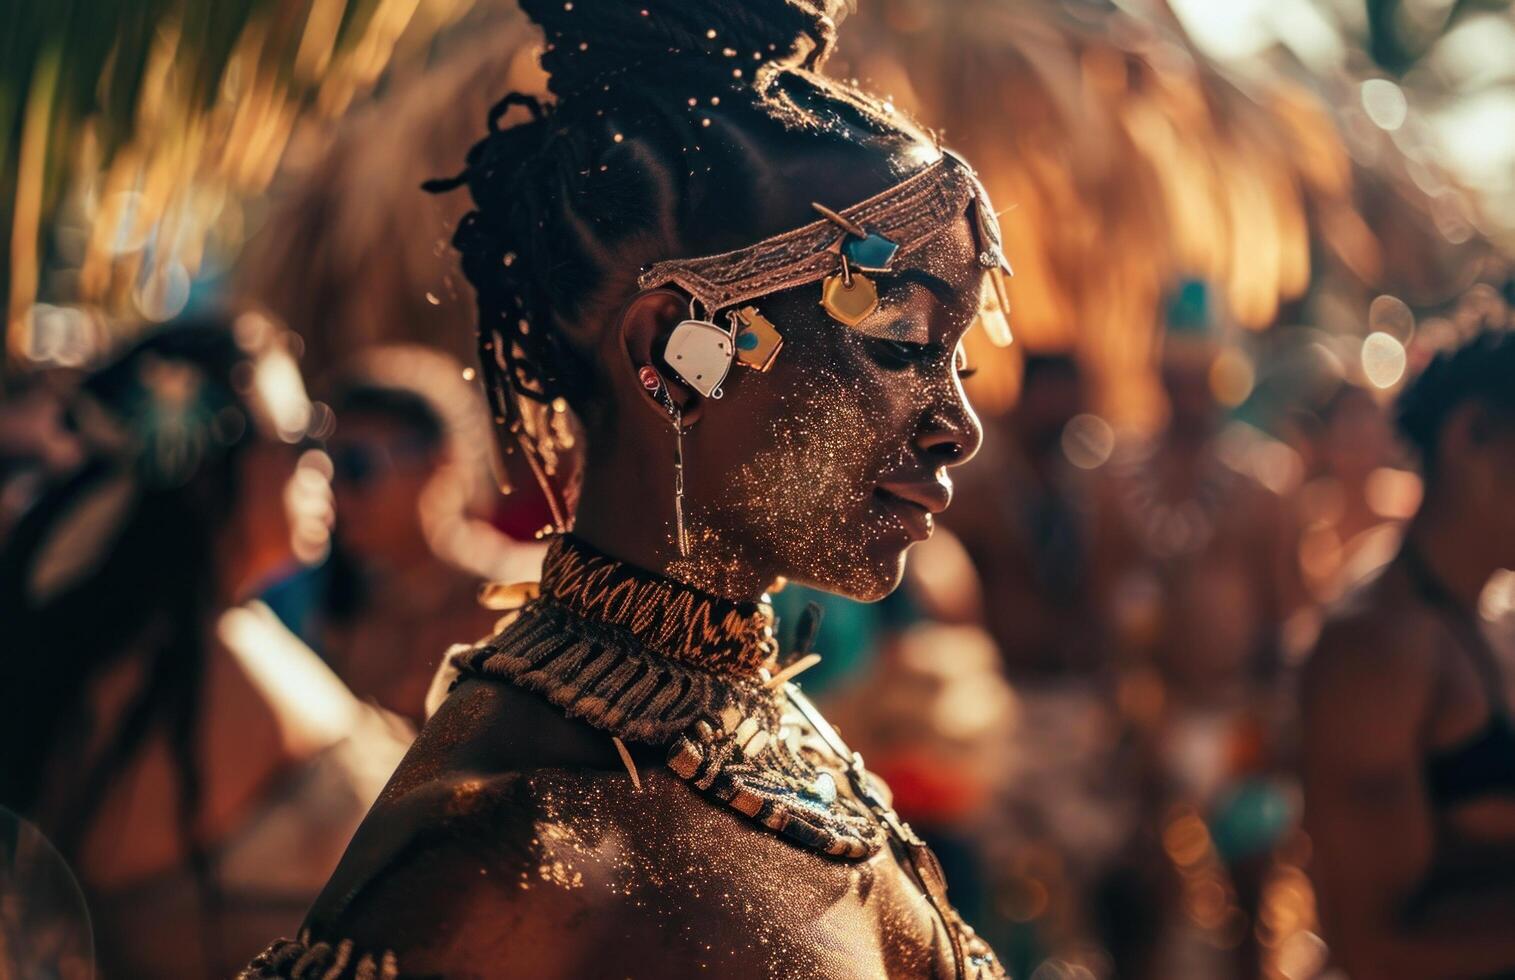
(1326, 186)
(1315, 160)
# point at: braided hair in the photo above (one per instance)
(661, 142)
(1482, 370)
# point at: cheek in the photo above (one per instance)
(807, 487)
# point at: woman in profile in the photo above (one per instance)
(1409, 746)
(749, 283)
(162, 729)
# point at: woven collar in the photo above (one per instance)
(665, 617)
(728, 736)
(652, 661)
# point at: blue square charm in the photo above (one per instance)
(871, 254)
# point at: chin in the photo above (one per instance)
(867, 577)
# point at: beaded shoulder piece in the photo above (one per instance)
(620, 649)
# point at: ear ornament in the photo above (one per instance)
(700, 353)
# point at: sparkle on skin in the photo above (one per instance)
(805, 499)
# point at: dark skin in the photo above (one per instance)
(783, 473)
(536, 854)
(1409, 889)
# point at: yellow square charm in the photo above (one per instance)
(757, 339)
(849, 304)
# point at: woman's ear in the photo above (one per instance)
(644, 327)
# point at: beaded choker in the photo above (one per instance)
(660, 615)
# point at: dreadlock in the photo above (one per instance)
(1481, 370)
(659, 143)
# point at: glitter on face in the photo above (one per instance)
(837, 415)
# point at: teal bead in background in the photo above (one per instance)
(873, 252)
(1251, 818)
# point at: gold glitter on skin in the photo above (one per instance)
(844, 414)
(609, 881)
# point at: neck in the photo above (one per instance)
(632, 521)
(1453, 550)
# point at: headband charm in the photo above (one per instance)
(850, 297)
(758, 341)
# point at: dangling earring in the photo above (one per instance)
(653, 382)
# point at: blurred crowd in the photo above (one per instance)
(1202, 681)
(225, 600)
(207, 672)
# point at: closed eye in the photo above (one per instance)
(899, 354)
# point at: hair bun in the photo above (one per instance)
(591, 42)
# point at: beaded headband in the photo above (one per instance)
(863, 238)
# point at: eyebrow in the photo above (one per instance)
(939, 287)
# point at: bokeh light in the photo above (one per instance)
(1088, 441)
(1383, 360)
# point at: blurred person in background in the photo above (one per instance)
(198, 766)
(1202, 561)
(1028, 518)
(1202, 556)
(1355, 505)
(410, 552)
(1409, 747)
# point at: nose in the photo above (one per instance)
(950, 436)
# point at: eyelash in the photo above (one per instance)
(899, 354)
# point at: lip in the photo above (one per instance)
(916, 503)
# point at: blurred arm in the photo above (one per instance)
(1367, 696)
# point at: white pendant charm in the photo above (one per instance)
(701, 353)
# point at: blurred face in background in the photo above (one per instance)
(283, 512)
(381, 467)
(1486, 458)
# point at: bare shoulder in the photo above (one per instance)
(466, 858)
(484, 873)
(1375, 635)
(1375, 660)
